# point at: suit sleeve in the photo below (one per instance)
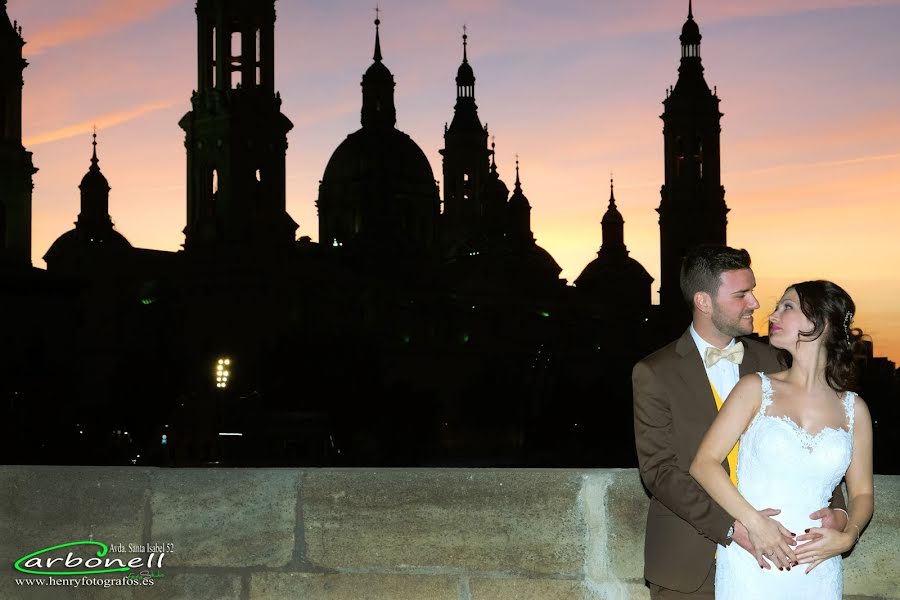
(669, 483)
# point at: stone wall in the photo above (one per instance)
(374, 534)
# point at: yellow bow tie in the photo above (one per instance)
(734, 354)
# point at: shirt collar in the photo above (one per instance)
(702, 344)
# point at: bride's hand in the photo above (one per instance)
(828, 543)
(770, 539)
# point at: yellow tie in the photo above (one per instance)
(732, 456)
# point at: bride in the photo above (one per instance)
(801, 431)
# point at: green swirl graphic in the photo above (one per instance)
(100, 554)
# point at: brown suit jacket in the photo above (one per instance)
(673, 408)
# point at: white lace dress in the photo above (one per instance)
(780, 465)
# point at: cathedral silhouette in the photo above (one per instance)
(425, 327)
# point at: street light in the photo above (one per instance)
(223, 372)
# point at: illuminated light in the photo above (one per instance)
(544, 313)
(231, 433)
(227, 361)
(80, 431)
(221, 361)
(164, 441)
(465, 338)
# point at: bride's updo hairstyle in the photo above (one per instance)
(831, 311)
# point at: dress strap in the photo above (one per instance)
(766, 392)
(849, 409)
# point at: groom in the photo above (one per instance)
(676, 393)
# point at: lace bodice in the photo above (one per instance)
(783, 466)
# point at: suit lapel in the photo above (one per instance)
(690, 369)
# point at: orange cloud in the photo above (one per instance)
(103, 122)
(97, 18)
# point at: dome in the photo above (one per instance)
(378, 71)
(94, 180)
(690, 33)
(602, 272)
(518, 200)
(612, 216)
(76, 242)
(386, 154)
(465, 75)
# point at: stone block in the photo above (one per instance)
(225, 517)
(519, 521)
(554, 589)
(615, 508)
(192, 586)
(46, 506)
(626, 510)
(529, 589)
(871, 568)
(352, 586)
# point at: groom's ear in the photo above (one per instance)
(703, 302)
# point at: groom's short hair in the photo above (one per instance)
(702, 268)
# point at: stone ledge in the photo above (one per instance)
(488, 520)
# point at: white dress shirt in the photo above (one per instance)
(724, 374)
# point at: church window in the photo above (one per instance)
(235, 59)
(213, 57)
(698, 158)
(214, 191)
(258, 57)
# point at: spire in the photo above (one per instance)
(378, 89)
(465, 37)
(94, 194)
(519, 213)
(690, 35)
(94, 159)
(465, 76)
(518, 187)
(612, 195)
(613, 229)
(377, 56)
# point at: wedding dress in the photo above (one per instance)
(781, 465)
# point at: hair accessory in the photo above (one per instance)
(847, 318)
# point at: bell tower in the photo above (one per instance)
(466, 160)
(692, 208)
(16, 168)
(235, 133)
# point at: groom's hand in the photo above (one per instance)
(831, 519)
(741, 537)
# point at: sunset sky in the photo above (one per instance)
(809, 90)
